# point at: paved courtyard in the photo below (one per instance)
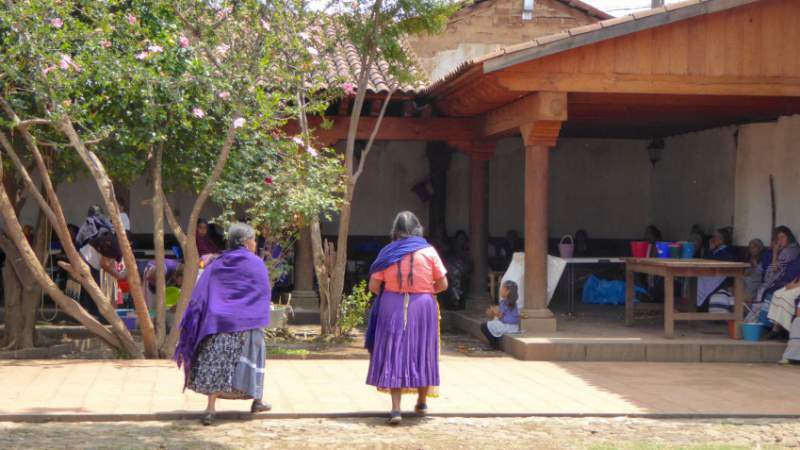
(138, 390)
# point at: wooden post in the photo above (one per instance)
(304, 298)
(478, 232)
(538, 138)
(669, 305)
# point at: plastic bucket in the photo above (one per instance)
(171, 296)
(566, 249)
(687, 250)
(662, 249)
(640, 249)
(675, 251)
(752, 331)
(122, 312)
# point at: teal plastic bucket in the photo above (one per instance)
(687, 250)
(752, 331)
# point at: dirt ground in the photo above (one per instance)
(432, 433)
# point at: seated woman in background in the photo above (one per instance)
(754, 275)
(784, 251)
(783, 309)
(504, 317)
(205, 244)
(715, 292)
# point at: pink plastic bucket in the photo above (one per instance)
(566, 249)
(640, 249)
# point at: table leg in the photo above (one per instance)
(628, 297)
(738, 305)
(571, 306)
(669, 306)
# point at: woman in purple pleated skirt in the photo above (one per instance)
(403, 333)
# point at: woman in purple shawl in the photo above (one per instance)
(221, 348)
(403, 332)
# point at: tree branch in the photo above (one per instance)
(177, 230)
(23, 172)
(372, 136)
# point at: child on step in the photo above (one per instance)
(504, 317)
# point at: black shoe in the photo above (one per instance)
(259, 406)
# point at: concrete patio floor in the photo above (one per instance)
(146, 390)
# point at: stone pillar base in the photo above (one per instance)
(305, 301)
(537, 321)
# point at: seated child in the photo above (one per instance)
(504, 316)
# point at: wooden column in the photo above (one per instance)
(539, 137)
(478, 297)
(303, 296)
(479, 152)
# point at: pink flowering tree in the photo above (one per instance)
(189, 94)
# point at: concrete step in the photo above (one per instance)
(628, 348)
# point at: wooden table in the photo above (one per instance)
(688, 268)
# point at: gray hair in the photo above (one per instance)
(238, 234)
(406, 225)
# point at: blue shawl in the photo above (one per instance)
(389, 256)
(233, 294)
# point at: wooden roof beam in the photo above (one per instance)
(540, 106)
(396, 128)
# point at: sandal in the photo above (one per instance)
(421, 409)
(395, 417)
(208, 419)
(259, 406)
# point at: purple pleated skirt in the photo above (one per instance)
(406, 352)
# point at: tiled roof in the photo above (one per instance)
(587, 34)
(577, 4)
(344, 64)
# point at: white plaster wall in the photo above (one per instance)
(764, 149)
(384, 189)
(77, 196)
(600, 185)
(694, 183)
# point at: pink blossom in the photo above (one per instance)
(349, 88)
(47, 70)
(67, 63)
(224, 95)
(199, 113)
(312, 151)
(131, 19)
(304, 36)
(238, 122)
(57, 22)
(222, 49)
(141, 56)
(298, 140)
(312, 51)
(268, 180)
(222, 13)
(155, 49)
(105, 44)
(265, 25)
(183, 41)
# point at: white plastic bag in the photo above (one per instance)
(516, 273)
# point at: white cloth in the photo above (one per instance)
(782, 309)
(91, 256)
(126, 221)
(721, 302)
(516, 273)
(792, 352)
(498, 328)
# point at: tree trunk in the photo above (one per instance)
(191, 258)
(70, 306)
(158, 244)
(106, 188)
(121, 338)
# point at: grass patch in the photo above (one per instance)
(293, 352)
